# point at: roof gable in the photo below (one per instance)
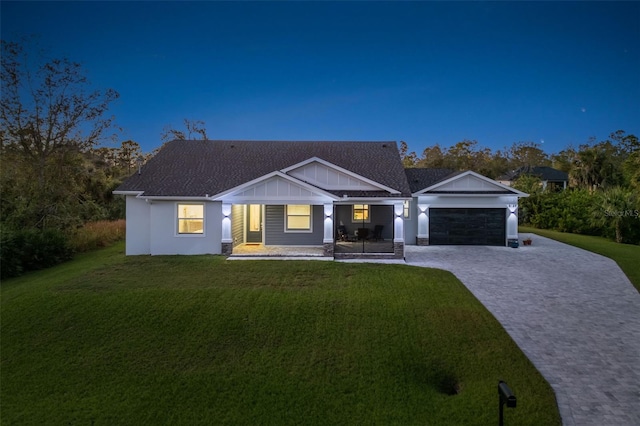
(469, 182)
(275, 186)
(328, 176)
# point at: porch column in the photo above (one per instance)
(398, 230)
(422, 239)
(512, 223)
(327, 240)
(227, 240)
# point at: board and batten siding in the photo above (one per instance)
(274, 228)
(237, 224)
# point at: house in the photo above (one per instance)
(343, 199)
(552, 179)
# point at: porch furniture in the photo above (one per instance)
(362, 233)
(377, 233)
(343, 235)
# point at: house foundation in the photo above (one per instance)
(398, 250)
(227, 249)
(421, 241)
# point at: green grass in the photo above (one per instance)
(627, 256)
(108, 339)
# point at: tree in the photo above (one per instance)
(616, 209)
(49, 117)
(497, 165)
(192, 128)
(527, 154)
(596, 166)
(128, 155)
(465, 155)
(432, 157)
(631, 170)
(408, 158)
(564, 159)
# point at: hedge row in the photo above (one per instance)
(31, 249)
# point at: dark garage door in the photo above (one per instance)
(484, 227)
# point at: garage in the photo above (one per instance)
(467, 226)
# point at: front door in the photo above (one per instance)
(254, 223)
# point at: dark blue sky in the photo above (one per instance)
(426, 73)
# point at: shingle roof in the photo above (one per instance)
(196, 168)
(420, 178)
(543, 172)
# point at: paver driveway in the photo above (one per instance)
(572, 312)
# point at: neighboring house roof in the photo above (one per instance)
(544, 173)
(197, 168)
(421, 178)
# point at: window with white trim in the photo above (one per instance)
(191, 218)
(406, 209)
(298, 218)
(361, 213)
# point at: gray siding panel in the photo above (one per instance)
(237, 224)
(274, 229)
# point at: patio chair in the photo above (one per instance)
(363, 233)
(377, 233)
(343, 235)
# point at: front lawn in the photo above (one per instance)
(627, 256)
(105, 339)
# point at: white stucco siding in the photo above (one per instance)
(138, 230)
(164, 238)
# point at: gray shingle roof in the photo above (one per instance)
(196, 168)
(420, 178)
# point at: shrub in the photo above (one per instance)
(99, 234)
(32, 249)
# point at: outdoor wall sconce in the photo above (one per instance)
(226, 210)
(398, 209)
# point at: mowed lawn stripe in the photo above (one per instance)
(200, 340)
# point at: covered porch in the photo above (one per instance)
(341, 231)
(277, 215)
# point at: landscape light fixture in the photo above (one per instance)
(506, 397)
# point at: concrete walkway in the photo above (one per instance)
(573, 313)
